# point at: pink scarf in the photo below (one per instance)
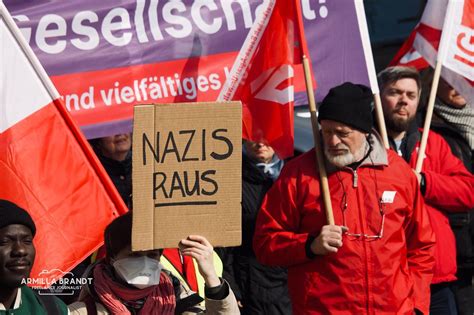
(160, 299)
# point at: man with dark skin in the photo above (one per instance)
(17, 256)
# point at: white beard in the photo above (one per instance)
(346, 158)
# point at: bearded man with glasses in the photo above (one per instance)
(378, 256)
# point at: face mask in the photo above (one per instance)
(141, 272)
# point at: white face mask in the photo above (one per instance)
(141, 272)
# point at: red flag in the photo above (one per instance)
(408, 56)
(445, 32)
(262, 76)
(46, 165)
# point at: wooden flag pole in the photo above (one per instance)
(323, 177)
(317, 142)
(381, 120)
(369, 62)
(429, 115)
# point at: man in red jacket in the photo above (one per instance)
(446, 185)
(378, 257)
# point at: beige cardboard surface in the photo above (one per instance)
(186, 174)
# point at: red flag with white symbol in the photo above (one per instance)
(262, 76)
(46, 165)
(445, 32)
(408, 56)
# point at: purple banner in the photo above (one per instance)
(81, 42)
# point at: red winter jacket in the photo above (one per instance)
(390, 275)
(449, 188)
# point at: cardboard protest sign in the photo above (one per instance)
(186, 174)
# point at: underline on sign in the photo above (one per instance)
(187, 203)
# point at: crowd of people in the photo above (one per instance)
(402, 241)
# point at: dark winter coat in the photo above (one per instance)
(461, 223)
(261, 289)
(121, 174)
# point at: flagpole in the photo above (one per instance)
(448, 24)
(381, 120)
(369, 62)
(323, 177)
(317, 142)
(429, 115)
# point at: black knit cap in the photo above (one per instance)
(118, 234)
(10, 214)
(350, 104)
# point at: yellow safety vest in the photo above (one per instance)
(200, 280)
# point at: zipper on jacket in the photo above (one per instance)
(368, 272)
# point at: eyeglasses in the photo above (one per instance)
(363, 236)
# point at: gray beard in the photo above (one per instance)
(348, 158)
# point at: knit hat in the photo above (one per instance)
(118, 234)
(350, 104)
(10, 214)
